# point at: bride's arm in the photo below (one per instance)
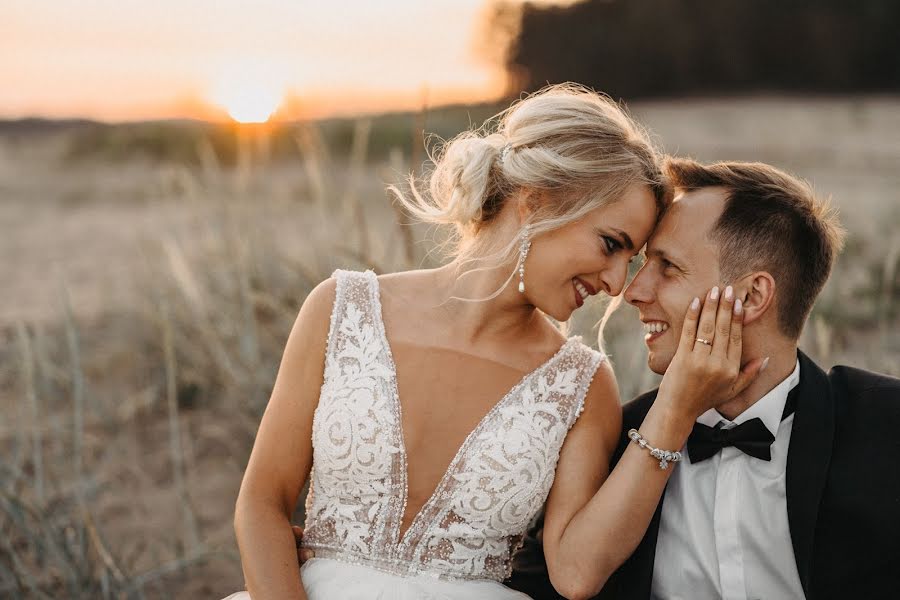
(593, 522)
(281, 458)
(595, 519)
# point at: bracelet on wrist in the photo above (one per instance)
(663, 456)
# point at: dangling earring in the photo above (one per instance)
(524, 246)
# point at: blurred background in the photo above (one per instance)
(176, 177)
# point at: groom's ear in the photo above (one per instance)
(757, 292)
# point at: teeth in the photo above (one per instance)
(655, 326)
(581, 290)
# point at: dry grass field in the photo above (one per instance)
(145, 302)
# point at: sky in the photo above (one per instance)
(120, 60)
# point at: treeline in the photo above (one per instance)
(187, 142)
(631, 48)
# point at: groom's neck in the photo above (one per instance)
(782, 360)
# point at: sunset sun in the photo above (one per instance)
(247, 96)
(249, 105)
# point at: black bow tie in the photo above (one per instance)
(751, 438)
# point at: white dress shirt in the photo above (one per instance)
(724, 526)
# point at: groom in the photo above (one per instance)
(814, 514)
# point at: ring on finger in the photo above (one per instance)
(703, 341)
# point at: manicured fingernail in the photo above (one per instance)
(764, 365)
(695, 303)
(729, 293)
(714, 293)
(738, 306)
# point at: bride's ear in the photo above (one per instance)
(757, 293)
(527, 201)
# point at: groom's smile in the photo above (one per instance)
(654, 329)
(681, 263)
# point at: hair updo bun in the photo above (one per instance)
(464, 176)
(564, 138)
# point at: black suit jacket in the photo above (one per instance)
(843, 493)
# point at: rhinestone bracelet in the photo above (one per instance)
(664, 456)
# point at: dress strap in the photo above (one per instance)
(353, 289)
(586, 361)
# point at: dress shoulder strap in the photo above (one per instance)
(355, 296)
(580, 363)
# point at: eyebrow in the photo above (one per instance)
(663, 255)
(625, 238)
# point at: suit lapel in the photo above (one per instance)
(809, 455)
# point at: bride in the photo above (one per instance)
(435, 411)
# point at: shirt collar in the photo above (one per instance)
(769, 408)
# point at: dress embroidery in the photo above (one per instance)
(493, 488)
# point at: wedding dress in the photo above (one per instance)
(459, 545)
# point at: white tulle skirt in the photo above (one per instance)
(327, 579)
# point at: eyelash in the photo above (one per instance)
(612, 244)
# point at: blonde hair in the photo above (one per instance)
(563, 138)
(578, 146)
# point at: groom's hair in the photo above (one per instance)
(772, 222)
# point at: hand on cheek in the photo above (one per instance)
(706, 370)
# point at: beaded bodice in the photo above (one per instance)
(493, 487)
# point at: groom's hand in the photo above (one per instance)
(303, 554)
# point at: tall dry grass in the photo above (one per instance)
(127, 420)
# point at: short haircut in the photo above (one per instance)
(772, 222)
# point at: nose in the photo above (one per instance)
(639, 290)
(613, 279)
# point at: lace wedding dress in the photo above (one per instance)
(460, 543)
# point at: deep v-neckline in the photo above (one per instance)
(402, 538)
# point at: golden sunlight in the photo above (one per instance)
(248, 93)
(249, 104)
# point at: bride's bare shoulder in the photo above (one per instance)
(317, 306)
(401, 284)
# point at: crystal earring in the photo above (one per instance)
(524, 246)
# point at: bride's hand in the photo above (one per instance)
(706, 370)
(303, 554)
